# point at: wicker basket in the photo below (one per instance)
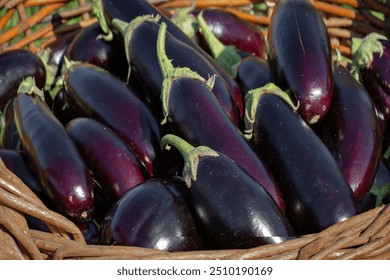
(365, 236)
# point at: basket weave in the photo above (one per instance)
(365, 236)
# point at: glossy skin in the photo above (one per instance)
(114, 165)
(253, 72)
(315, 192)
(15, 66)
(300, 56)
(233, 210)
(352, 132)
(234, 31)
(130, 9)
(53, 154)
(109, 55)
(9, 137)
(100, 95)
(153, 215)
(196, 116)
(146, 70)
(379, 67)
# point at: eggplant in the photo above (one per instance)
(233, 31)
(60, 169)
(380, 191)
(89, 46)
(154, 215)
(115, 166)
(352, 133)
(195, 115)
(315, 191)
(15, 161)
(300, 56)
(141, 49)
(95, 93)
(15, 66)
(253, 72)
(128, 10)
(9, 137)
(233, 210)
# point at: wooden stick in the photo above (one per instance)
(204, 3)
(21, 27)
(4, 19)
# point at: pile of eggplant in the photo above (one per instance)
(146, 133)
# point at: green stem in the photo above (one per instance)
(28, 86)
(191, 155)
(97, 10)
(252, 99)
(226, 56)
(380, 193)
(171, 73)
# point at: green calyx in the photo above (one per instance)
(226, 56)
(127, 29)
(97, 10)
(380, 193)
(186, 21)
(171, 73)
(364, 54)
(191, 155)
(28, 86)
(252, 99)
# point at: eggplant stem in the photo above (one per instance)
(226, 56)
(252, 99)
(380, 193)
(191, 155)
(97, 10)
(28, 86)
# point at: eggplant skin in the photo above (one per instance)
(55, 159)
(300, 56)
(15, 66)
(153, 214)
(353, 132)
(313, 186)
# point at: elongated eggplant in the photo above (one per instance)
(89, 46)
(128, 10)
(9, 137)
(351, 131)
(252, 72)
(141, 49)
(95, 93)
(195, 115)
(155, 215)
(115, 166)
(233, 210)
(233, 30)
(59, 167)
(15, 66)
(315, 191)
(300, 56)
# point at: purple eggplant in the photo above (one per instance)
(233, 31)
(233, 210)
(89, 46)
(351, 131)
(95, 93)
(114, 165)
(54, 157)
(9, 137)
(15, 66)
(252, 72)
(194, 114)
(128, 10)
(155, 215)
(140, 43)
(315, 191)
(300, 56)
